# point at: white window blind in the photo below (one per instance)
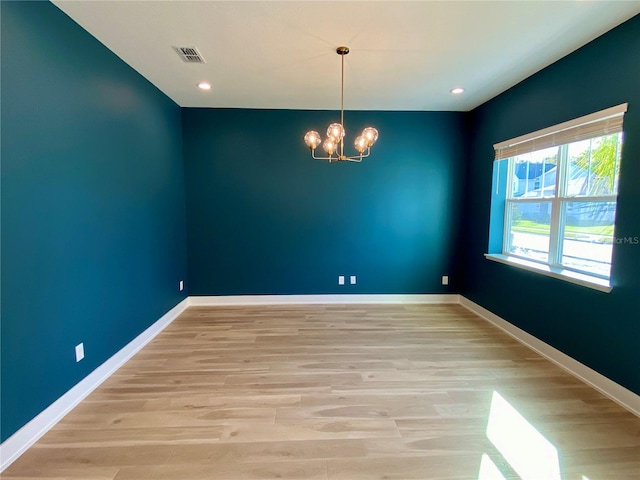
(604, 122)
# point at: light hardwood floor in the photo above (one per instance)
(340, 393)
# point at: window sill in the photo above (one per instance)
(599, 284)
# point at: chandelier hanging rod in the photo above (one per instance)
(336, 132)
(342, 51)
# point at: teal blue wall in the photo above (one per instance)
(598, 329)
(264, 218)
(93, 222)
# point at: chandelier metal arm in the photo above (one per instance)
(342, 158)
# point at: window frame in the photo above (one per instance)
(608, 121)
(557, 221)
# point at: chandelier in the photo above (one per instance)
(334, 143)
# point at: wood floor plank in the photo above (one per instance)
(461, 467)
(336, 392)
(66, 435)
(290, 470)
(311, 429)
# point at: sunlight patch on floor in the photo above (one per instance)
(488, 469)
(528, 452)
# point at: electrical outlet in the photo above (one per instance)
(352, 280)
(181, 285)
(445, 280)
(79, 352)
(340, 279)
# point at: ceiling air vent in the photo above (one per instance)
(189, 54)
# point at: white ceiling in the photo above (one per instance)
(404, 55)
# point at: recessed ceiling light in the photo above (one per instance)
(204, 86)
(457, 90)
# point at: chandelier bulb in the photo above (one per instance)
(360, 144)
(312, 139)
(371, 135)
(329, 146)
(336, 131)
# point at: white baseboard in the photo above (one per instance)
(619, 394)
(319, 299)
(20, 441)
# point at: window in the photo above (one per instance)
(554, 197)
